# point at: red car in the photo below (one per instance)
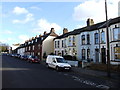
(33, 59)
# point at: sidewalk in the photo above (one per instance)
(100, 74)
(95, 73)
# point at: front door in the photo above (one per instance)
(97, 55)
(103, 55)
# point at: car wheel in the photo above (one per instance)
(30, 61)
(57, 68)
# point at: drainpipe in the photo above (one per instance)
(99, 46)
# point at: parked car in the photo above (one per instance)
(57, 62)
(33, 59)
(18, 56)
(24, 57)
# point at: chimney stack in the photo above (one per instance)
(36, 36)
(90, 22)
(40, 35)
(65, 30)
(32, 38)
(45, 32)
(52, 30)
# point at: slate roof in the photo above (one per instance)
(90, 28)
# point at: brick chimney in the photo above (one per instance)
(65, 30)
(90, 22)
(52, 30)
(40, 35)
(45, 32)
(36, 36)
(32, 38)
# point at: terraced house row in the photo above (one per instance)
(88, 42)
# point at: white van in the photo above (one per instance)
(57, 62)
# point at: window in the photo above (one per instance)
(38, 46)
(69, 39)
(117, 53)
(38, 53)
(58, 44)
(74, 51)
(88, 53)
(88, 39)
(41, 38)
(36, 40)
(83, 39)
(55, 53)
(73, 38)
(70, 43)
(62, 43)
(65, 43)
(62, 52)
(116, 34)
(28, 42)
(55, 44)
(33, 47)
(96, 38)
(103, 37)
(83, 53)
(32, 41)
(29, 47)
(26, 49)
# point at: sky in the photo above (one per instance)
(22, 20)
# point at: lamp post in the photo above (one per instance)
(107, 42)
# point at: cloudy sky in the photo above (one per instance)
(23, 20)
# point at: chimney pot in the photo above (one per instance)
(52, 30)
(90, 22)
(40, 35)
(65, 30)
(45, 32)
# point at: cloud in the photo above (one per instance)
(23, 38)
(6, 32)
(95, 9)
(35, 8)
(44, 25)
(6, 40)
(29, 17)
(19, 10)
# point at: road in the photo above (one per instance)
(18, 73)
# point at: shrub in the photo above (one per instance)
(69, 57)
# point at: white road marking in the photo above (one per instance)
(90, 83)
(103, 86)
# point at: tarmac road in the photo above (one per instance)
(17, 73)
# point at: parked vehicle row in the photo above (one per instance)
(29, 58)
(52, 61)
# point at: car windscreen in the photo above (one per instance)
(61, 60)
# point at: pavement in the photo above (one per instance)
(100, 74)
(114, 76)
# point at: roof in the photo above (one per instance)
(90, 28)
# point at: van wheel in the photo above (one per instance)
(47, 65)
(57, 68)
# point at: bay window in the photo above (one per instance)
(83, 53)
(103, 41)
(83, 39)
(116, 34)
(96, 38)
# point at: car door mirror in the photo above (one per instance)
(54, 61)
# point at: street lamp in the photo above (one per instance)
(107, 42)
